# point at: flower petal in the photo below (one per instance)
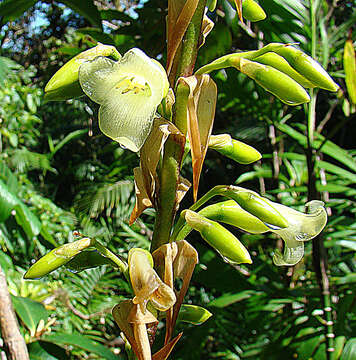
(293, 252)
(126, 119)
(97, 77)
(302, 227)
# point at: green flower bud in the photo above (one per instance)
(252, 11)
(193, 314)
(234, 149)
(221, 239)
(257, 206)
(56, 258)
(306, 66)
(64, 84)
(231, 213)
(275, 81)
(279, 63)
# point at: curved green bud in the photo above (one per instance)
(234, 149)
(279, 63)
(257, 206)
(231, 213)
(252, 11)
(306, 66)
(146, 284)
(275, 81)
(64, 84)
(221, 239)
(56, 258)
(193, 314)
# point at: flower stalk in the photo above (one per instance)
(171, 162)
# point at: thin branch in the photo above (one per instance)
(14, 343)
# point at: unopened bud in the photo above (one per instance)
(231, 213)
(306, 66)
(275, 81)
(234, 149)
(279, 63)
(221, 239)
(56, 258)
(257, 206)
(252, 11)
(64, 84)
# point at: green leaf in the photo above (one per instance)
(37, 352)
(5, 262)
(228, 299)
(27, 220)
(88, 259)
(328, 148)
(115, 15)
(10, 9)
(8, 178)
(349, 352)
(336, 170)
(7, 201)
(85, 8)
(81, 342)
(348, 279)
(29, 311)
(338, 345)
(69, 137)
(97, 35)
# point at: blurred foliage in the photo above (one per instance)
(63, 175)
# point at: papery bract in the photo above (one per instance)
(146, 283)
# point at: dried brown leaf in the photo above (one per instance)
(207, 26)
(180, 13)
(165, 351)
(201, 113)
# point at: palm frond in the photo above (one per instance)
(106, 197)
(24, 160)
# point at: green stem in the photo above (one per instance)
(217, 190)
(319, 251)
(170, 169)
(107, 253)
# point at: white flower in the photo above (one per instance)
(128, 91)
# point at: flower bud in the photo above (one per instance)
(306, 66)
(221, 239)
(257, 206)
(279, 63)
(234, 149)
(56, 258)
(252, 11)
(193, 314)
(64, 84)
(275, 81)
(231, 213)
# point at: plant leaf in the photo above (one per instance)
(30, 312)
(82, 342)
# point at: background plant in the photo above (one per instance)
(257, 297)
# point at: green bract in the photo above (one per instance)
(128, 91)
